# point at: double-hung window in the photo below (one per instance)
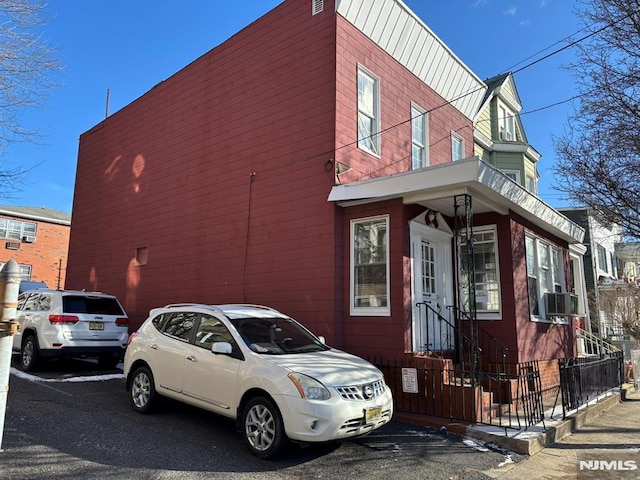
(17, 229)
(457, 147)
(507, 124)
(485, 270)
(370, 266)
(602, 258)
(545, 274)
(368, 112)
(419, 138)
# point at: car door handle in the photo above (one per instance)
(191, 358)
(153, 346)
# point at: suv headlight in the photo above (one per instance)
(309, 387)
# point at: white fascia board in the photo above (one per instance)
(471, 176)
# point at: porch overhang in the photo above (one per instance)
(434, 187)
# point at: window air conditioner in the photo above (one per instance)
(561, 304)
(12, 245)
(29, 238)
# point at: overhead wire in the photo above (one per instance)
(528, 65)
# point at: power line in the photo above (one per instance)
(475, 90)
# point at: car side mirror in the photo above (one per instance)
(222, 348)
(322, 339)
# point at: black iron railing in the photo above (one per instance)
(583, 379)
(427, 386)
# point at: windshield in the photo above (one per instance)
(277, 336)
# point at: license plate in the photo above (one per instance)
(96, 325)
(373, 414)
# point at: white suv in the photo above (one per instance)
(68, 323)
(259, 367)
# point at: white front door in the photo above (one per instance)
(432, 289)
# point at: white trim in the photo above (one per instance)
(368, 311)
(375, 134)
(491, 314)
(416, 110)
(514, 172)
(486, 184)
(442, 241)
(457, 137)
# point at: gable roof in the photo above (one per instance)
(41, 214)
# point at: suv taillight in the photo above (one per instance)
(122, 322)
(63, 319)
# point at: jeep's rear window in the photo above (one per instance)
(93, 305)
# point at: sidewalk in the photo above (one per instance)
(606, 446)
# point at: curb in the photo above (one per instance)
(530, 442)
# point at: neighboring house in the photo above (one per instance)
(38, 240)
(500, 140)
(602, 266)
(320, 161)
(500, 137)
(628, 254)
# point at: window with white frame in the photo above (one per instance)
(17, 229)
(602, 258)
(486, 272)
(370, 266)
(457, 147)
(506, 121)
(545, 274)
(513, 175)
(532, 185)
(368, 111)
(419, 138)
(25, 271)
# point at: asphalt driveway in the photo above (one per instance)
(74, 421)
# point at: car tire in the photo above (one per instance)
(143, 391)
(109, 362)
(29, 354)
(262, 428)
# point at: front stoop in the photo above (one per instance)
(534, 439)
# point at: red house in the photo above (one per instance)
(320, 162)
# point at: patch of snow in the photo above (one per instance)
(475, 444)
(91, 378)
(507, 460)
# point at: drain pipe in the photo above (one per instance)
(9, 286)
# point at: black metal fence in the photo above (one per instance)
(583, 379)
(508, 398)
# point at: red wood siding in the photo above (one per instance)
(382, 336)
(173, 172)
(398, 89)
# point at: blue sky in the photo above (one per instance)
(128, 46)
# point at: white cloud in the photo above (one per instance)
(525, 23)
(479, 4)
(511, 11)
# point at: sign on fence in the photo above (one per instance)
(410, 380)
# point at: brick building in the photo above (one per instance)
(38, 240)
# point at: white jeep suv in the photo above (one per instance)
(68, 323)
(259, 367)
